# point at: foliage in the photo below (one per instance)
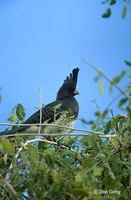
(17, 113)
(108, 12)
(82, 167)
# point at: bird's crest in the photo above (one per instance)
(69, 86)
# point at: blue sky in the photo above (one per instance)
(42, 41)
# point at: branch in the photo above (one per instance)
(99, 71)
(112, 101)
(41, 104)
(25, 145)
(114, 153)
(52, 125)
(56, 134)
(85, 132)
(5, 184)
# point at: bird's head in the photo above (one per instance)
(68, 89)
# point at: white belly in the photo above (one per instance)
(57, 130)
(32, 129)
(50, 129)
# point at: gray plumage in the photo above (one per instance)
(63, 111)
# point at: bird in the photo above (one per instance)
(63, 111)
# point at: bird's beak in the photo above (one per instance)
(76, 92)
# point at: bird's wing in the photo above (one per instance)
(49, 112)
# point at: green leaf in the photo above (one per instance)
(0, 98)
(104, 1)
(56, 178)
(20, 111)
(99, 114)
(128, 63)
(112, 2)
(118, 78)
(96, 78)
(33, 154)
(101, 73)
(56, 107)
(7, 146)
(13, 118)
(68, 140)
(79, 192)
(5, 158)
(89, 163)
(124, 11)
(122, 101)
(86, 140)
(114, 122)
(97, 171)
(107, 13)
(101, 87)
(50, 151)
(107, 127)
(84, 121)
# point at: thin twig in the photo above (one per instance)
(113, 100)
(41, 104)
(115, 152)
(52, 125)
(107, 165)
(15, 167)
(57, 134)
(5, 184)
(100, 72)
(25, 145)
(55, 125)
